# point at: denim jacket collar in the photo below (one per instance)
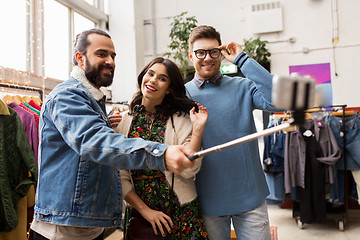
(79, 75)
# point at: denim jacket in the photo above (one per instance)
(79, 156)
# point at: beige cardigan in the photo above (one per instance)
(184, 185)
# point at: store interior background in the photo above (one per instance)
(324, 31)
(313, 32)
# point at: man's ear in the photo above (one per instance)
(190, 56)
(80, 58)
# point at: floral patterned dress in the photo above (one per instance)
(154, 190)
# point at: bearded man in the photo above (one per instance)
(79, 188)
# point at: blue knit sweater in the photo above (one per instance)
(232, 181)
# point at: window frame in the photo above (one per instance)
(36, 63)
(93, 13)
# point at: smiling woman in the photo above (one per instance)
(175, 99)
(160, 111)
(155, 86)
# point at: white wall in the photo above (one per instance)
(309, 22)
(125, 26)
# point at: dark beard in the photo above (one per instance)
(93, 75)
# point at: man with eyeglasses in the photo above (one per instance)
(231, 184)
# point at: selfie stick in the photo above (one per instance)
(293, 92)
(244, 139)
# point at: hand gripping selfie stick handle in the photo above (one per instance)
(238, 141)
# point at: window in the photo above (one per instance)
(37, 35)
(64, 19)
(91, 2)
(106, 7)
(82, 23)
(56, 40)
(13, 41)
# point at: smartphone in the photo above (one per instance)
(293, 92)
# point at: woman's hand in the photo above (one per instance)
(158, 220)
(115, 119)
(199, 118)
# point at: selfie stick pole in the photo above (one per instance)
(244, 139)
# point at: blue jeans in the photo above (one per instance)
(352, 150)
(250, 225)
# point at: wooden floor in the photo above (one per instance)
(287, 229)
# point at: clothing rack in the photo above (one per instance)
(120, 103)
(340, 216)
(15, 86)
(341, 213)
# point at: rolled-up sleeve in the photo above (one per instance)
(182, 135)
(126, 182)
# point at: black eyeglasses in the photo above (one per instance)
(201, 53)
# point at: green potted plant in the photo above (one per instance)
(256, 49)
(179, 34)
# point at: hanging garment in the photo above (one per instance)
(31, 130)
(37, 117)
(273, 162)
(351, 139)
(352, 135)
(273, 157)
(20, 232)
(275, 183)
(34, 105)
(37, 100)
(3, 108)
(32, 108)
(30, 127)
(295, 153)
(329, 147)
(312, 197)
(16, 156)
